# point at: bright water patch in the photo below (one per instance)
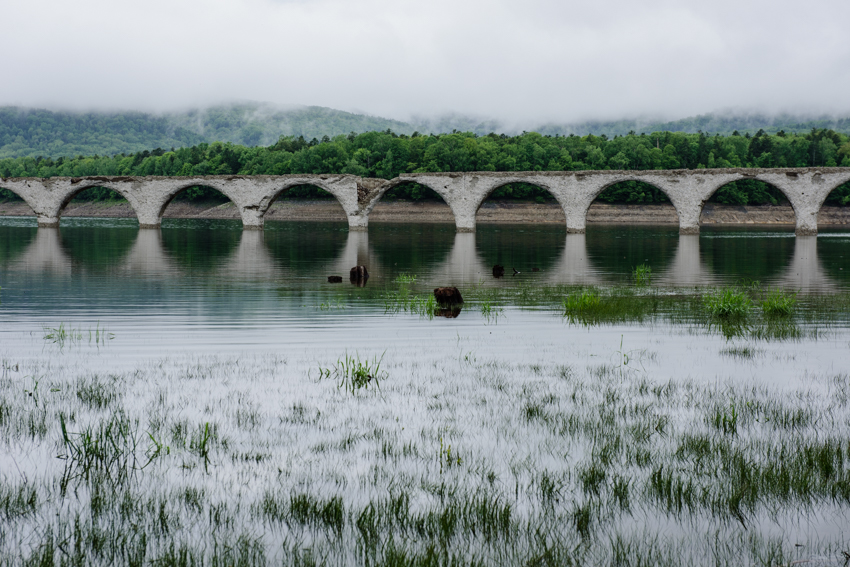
(198, 421)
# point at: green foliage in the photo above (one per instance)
(353, 374)
(386, 155)
(581, 303)
(642, 275)
(778, 303)
(727, 303)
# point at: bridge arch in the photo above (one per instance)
(8, 195)
(76, 191)
(740, 191)
(281, 190)
(173, 193)
(635, 190)
(533, 188)
(838, 195)
(384, 187)
(602, 188)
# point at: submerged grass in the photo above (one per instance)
(779, 303)
(642, 275)
(63, 335)
(458, 461)
(727, 304)
(353, 374)
(593, 307)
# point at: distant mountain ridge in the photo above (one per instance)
(37, 132)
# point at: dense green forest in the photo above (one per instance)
(386, 155)
(29, 132)
(32, 133)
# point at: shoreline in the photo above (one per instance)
(507, 212)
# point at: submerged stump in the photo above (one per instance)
(358, 275)
(334, 279)
(498, 271)
(448, 296)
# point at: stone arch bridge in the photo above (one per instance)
(688, 190)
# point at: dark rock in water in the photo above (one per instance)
(498, 271)
(334, 279)
(448, 296)
(358, 275)
(535, 269)
(448, 312)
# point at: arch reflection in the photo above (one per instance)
(45, 254)
(574, 266)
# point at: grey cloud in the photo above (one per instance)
(517, 61)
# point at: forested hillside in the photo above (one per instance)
(34, 133)
(386, 155)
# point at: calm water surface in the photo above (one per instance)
(207, 287)
(212, 324)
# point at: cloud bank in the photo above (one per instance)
(535, 60)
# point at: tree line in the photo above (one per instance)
(386, 155)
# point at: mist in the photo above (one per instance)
(536, 61)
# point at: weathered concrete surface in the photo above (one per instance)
(688, 190)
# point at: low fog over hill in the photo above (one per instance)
(38, 132)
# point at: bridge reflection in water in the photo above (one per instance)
(252, 259)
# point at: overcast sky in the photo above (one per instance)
(523, 60)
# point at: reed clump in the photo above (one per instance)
(728, 303)
(778, 303)
(353, 373)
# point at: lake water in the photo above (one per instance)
(208, 324)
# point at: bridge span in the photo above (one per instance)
(688, 190)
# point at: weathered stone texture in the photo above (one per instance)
(688, 190)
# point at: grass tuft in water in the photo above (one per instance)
(353, 374)
(106, 451)
(779, 303)
(728, 304)
(642, 275)
(404, 278)
(61, 335)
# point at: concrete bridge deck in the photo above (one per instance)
(688, 190)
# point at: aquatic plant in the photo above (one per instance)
(353, 374)
(642, 275)
(107, 450)
(778, 303)
(585, 302)
(62, 334)
(490, 312)
(728, 303)
(402, 300)
(404, 278)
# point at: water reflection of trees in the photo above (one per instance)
(764, 257)
(13, 241)
(304, 246)
(617, 250)
(97, 248)
(201, 247)
(413, 249)
(833, 251)
(522, 247)
(433, 252)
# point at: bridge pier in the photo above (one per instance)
(48, 221)
(576, 220)
(464, 213)
(252, 218)
(148, 219)
(358, 222)
(807, 219)
(689, 218)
